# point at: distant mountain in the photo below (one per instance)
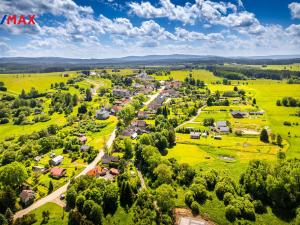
(49, 64)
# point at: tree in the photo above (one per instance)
(87, 207)
(9, 216)
(254, 101)
(128, 148)
(200, 193)
(254, 179)
(110, 198)
(195, 208)
(3, 220)
(165, 196)
(88, 95)
(126, 194)
(45, 216)
(231, 213)
(208, 122)
(16, 178)
(96, 214)
(71, 197)
(8, 198)
(279, 140)
(264, 136)
(235, 88)
(164, 174)
(50, 188)
(79, 202)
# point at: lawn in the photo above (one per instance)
(57, 214)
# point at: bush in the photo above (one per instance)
(248, 211)
(231, 213)
(195, 208)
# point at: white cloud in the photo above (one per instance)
(295, 10)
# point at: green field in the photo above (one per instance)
(57, 214)
(204, 75)
(41, 81)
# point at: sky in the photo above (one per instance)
(118, 28)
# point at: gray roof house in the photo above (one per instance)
(56, 160)
(102, 114)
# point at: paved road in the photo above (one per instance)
(56, 194)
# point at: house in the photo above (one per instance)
(95, 172)
(138, 123)
(37, 158)
(114, 171)
(27, 197)
(134, 135)
(195, 135)
(57, 172)
(221, 124)
(38, 169)
(56, 160)
(102, 114)
(115, 109)
(83, 139)
(238, 114)
(142, 115)
(257, 113)
(121, 93)
(84, 148)
(106, 159)
(224, 130)
(222, 127)
(38, 111)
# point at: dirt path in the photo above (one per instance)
(192, 120)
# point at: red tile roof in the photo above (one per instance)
(57, 172)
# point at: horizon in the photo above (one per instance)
(101, 29)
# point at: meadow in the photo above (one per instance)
(57, 214)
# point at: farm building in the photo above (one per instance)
(221, 124)
(224, 130)
(56, 160)
(195, 135)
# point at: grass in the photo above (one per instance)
(41, 81)
(57, 214)
(204, 75)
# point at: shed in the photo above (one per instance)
(195, 135)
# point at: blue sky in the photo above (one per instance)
(117, 28)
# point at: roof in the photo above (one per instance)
(84, 147)
(221, 124)
(82, 138)
(57, 172)
(27, 194)
(58, 158)
(94, 172)
(114, 171)
(139, 123)
(224, 129)
(195, 133)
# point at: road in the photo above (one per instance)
(56, 194)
